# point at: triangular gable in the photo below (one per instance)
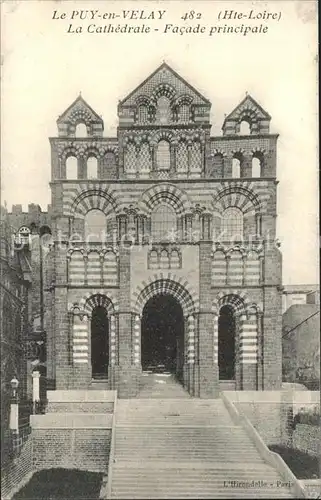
(164, 74)
(79, 104)
(248, 104)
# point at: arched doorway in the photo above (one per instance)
(162, 331)
(99, 343)
(226, 343)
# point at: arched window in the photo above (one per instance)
(153, 260)
(232, 224)
(245, 128)
(226, 343)
(164, 260)
(163, 114)
(92, 168)
(175, 260)
(71, 168)
(143, 114)
(95, 226)
(81, 130)
(163, 223)
(236, 168)
(256, 166)
(184, 113)
(163, 157)
(22, 237)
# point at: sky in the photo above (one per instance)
(44, 68)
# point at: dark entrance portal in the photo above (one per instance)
(226, 343)
(99, 343)
(163, 335)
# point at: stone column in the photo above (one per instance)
(215, 346)
(153, 158)
(173, 149)
(188, 227)
(14, 415)
(82, 167)
(248, 352)
(190, 356)
(246, 167)
(136, 340)
(260, 374)
(227, 168)
(81, 352)
(35, 389)
(113, 351)
(258, 224)
(228, 274)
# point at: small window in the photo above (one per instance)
(256, 167)
(236, 168)
(163, 155)
(81, 130)
(92, 168)
(163, 114)
(71, 168)
(142, 114)
(184, 114)
(245, 128)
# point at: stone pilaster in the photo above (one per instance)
(208, 372)
(126, 373)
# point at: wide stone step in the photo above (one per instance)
(248, 459)
(208, 475)
(237, 493)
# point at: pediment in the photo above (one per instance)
(79, 110)
(249, 107)
(164, 77)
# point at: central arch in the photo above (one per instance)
(162, 335)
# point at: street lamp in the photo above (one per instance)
(14, 385)
(14, 407)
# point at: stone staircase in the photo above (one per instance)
(186, 448)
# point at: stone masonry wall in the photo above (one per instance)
(84, 449)
(17, 470)
(307, 438)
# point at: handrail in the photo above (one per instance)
(112, 450)
(268, 456)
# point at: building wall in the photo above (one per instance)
(301, 346)
(14, 300)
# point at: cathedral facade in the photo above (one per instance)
(163, 253)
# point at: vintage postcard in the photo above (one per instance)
(160, 304)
